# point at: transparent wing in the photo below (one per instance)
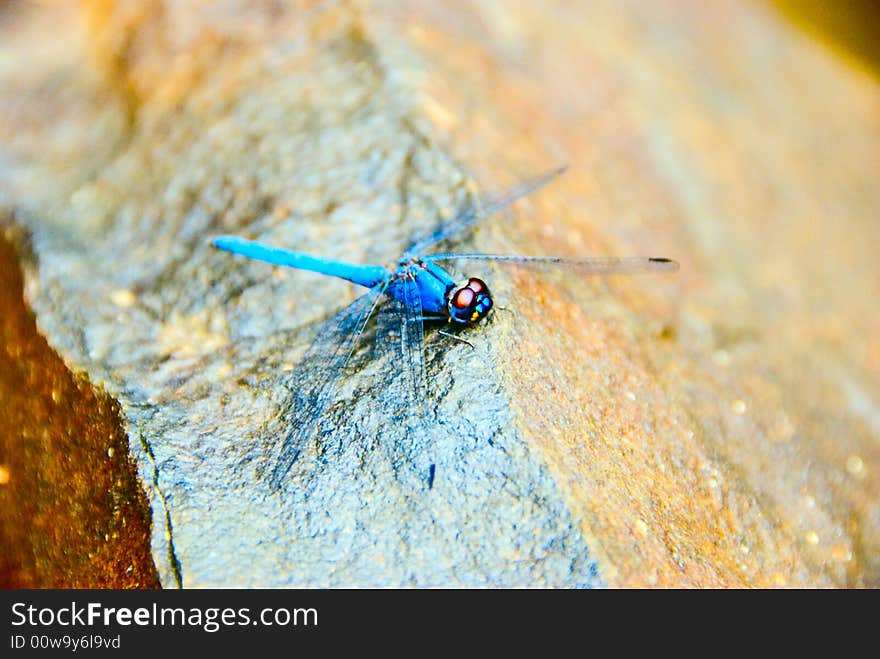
(313, 381)
(489, 205)
(412, 342)
(604, 265)
(405, 397)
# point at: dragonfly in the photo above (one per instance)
(416, 290)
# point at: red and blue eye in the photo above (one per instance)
(470, 303)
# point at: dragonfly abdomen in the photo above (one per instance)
(362, 275)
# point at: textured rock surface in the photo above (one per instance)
(718, 428)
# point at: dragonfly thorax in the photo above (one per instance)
(470, 302)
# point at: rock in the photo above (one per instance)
(713, 428)
(72, 512)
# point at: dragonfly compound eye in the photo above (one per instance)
(470, 302)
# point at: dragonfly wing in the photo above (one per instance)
(412, 342)
(493, 203)
(402, 335)
(313, 381)
(599, 265)
(489, 205)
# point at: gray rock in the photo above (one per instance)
(322, 151)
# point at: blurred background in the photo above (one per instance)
(851, 28)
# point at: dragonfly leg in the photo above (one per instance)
(457, 338)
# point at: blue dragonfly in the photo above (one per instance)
(415, 290)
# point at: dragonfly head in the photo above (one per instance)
(469, 302)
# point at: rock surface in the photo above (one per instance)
(715, 428)
(72, 512)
